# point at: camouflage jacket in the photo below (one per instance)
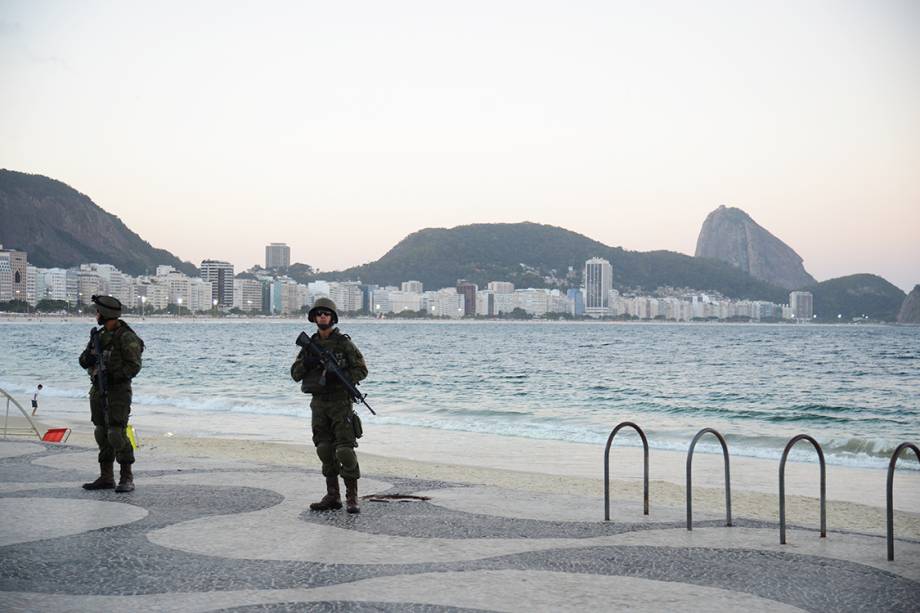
(121, 350)
(309, 372)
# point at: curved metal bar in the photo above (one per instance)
(728, 483)
(890, 496)
(6, 419)
(607, 467)
(782, 486)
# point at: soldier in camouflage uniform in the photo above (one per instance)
(332, 415)
(121, 351)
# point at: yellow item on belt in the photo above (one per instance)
(132, 436)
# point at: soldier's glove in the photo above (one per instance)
(310, 362)
(88, 360)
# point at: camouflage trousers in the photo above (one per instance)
(334, 436)
(110, 426)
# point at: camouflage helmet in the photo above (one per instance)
(107, 306)
(323, 303)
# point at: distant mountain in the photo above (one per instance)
(60, 227)
(535, 255)
(855, 296)
(730, 235)
(909, 313)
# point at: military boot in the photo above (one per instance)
(333, 499)
(106, 480)
(351, 496)
(125, 480)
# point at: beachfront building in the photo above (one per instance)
(802, 305)
(247, 295)
(468, 291)
(220, 275)
(445, 302)
(501, 287)
(485, 303)
(598, 281)
(414, 287)
(277, 255)
(576, 299)
(151, 295)
(16, 276)
(199, 295)
(6, 279)
(399, 301)
(347, 296)
(51, 284)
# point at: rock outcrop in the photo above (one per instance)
(910, 308)
(60, 227)
(730, 235)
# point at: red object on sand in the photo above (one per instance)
(56, 435)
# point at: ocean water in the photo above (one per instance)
(856, 389)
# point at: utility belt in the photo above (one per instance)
(332, 396)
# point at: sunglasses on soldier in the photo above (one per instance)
(322, 313)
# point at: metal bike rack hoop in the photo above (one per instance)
(607, 467)
(728, 482)
(890, 492)
(782, 486)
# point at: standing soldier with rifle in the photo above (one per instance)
(112, 358)
(328, 367)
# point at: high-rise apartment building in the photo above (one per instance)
(220, 274)
(18, 273)
(598, 283)
(411, 286)
(468, 291)
(802, 305)
(277, 255)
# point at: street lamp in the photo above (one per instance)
(180, 307)
(143, 302)
(213, 306)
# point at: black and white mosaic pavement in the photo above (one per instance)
(207, 535)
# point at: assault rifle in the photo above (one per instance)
(330, 365)
(99, 378)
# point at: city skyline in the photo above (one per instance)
(625, 123)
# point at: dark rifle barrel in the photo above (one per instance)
(329, 363)
(100, 377)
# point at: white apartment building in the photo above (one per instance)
(220, 275)
(51, 284)
(199, 295)
(445, 302)
(399, 301)
(347, 296)
(598, 281)
(500, 287)
(503, 302)
(247, 295)
(151, 295)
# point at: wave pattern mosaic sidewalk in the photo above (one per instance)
(210, 535)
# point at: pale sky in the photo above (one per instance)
(215, 128)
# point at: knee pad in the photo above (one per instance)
(326, 452)
(349, 461)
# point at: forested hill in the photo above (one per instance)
(535, 255)
(60, 227)
(855, 296)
